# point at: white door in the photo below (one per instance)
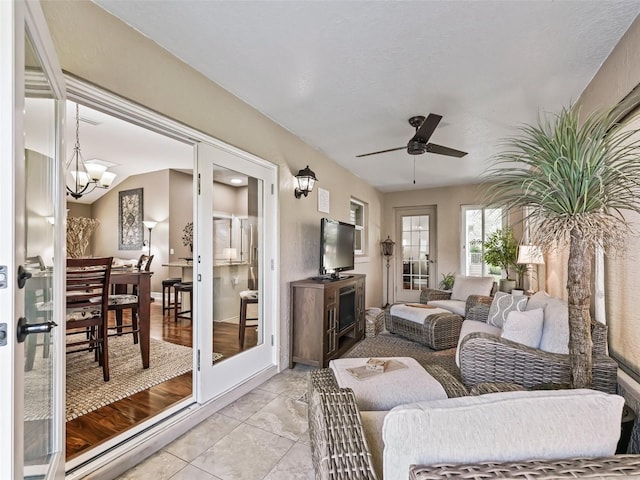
(416, 254)
(235, 265)
(32, 226)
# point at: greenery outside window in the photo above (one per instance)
(478, 223)
(358, 217)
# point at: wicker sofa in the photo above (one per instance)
(484, 357)
(341, 447)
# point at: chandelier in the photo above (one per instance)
(84, 177)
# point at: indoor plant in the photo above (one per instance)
(574, 177)
(501, 250)
(447, 281)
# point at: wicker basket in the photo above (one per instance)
(374, 321)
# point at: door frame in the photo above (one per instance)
(187, 412)
(16, 19)
(401, 295)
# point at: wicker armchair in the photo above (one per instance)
(487, 358)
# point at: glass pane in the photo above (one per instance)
(40, 180)
(237, 224)
(415, 251)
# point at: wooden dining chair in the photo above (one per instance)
(87, 302)
(126, 298)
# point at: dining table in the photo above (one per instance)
(129, 276)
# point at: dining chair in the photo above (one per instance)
(126, 298)
(87, 302)
(246, 297)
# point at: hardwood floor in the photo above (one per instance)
(97, 427)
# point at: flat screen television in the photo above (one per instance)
(336, 247)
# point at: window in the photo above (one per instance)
(357, 216)
(622, 304)
(478, 223)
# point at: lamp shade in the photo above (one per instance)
(530, 254)
(150, 224)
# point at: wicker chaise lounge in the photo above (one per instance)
(340, 449)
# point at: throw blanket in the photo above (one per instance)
(415, 314)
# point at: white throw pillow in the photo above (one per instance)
(502, 304)
(555, 332)
(464, 286)
(524, 327)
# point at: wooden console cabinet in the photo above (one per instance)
(321, 311)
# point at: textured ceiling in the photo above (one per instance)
(346, 75)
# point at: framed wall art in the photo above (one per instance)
(130, 215)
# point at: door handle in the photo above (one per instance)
(23, 276)
(25, 329)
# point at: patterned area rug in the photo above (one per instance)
(389, 345)
(86, 391)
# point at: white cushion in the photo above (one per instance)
(464, 286)
(555, 332)
(415, 314)
(524, 327)
(388, 389)
(372, 425)
(506, 426)
(453, 306)
(502, 304)
(472, 326)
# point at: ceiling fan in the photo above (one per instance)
(419, 143)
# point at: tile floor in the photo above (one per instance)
(261, 436)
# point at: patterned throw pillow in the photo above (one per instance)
(502, 304)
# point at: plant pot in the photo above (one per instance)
(507, 285)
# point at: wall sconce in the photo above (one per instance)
(306, 180)
(150, 224)
(386, 248)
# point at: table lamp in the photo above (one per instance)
(530, 255)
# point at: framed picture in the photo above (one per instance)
(130, 215)
(324, 202)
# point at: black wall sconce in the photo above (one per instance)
(306, 180)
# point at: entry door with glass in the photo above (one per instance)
(236, 251)
(31, 220)
(415, 258)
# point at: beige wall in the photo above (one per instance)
(79, 210)
(180, 213)
(97, 47)
(448, 202)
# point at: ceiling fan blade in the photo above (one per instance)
(381, 151)
(440, 150)
(423, 134)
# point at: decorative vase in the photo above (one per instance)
(507, 285)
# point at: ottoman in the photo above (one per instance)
(434, 327)
(391, 388)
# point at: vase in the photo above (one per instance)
(507, 285)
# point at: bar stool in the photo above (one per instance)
(181, 288)
(167, 284)
(246, 297)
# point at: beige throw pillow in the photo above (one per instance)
(524, 327)
(464, 286)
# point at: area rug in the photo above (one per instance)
(86, 391)
(390, 345)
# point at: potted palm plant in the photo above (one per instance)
(501, 250)
(575, 177)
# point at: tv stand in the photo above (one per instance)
(321, 316)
